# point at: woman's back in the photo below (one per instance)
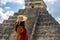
(24, 35)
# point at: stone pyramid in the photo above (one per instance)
(41, 25)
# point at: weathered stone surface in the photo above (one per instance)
(44, 25)
(46, 28)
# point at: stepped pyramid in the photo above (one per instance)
(41, 25)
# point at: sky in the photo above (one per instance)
(9, 7)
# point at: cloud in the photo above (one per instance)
(16, 1)
(6, 11)
(3, 2)
(50, 10)
(1, 18)
(9, 13)
(58, 19)
(49, 4)
(23, 7)
(1, 10)
(50, 1)
(7, 8)
(5, 16)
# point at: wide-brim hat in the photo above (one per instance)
(21, 18)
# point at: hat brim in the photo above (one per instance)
(23, 16)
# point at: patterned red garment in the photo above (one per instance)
(24, 35)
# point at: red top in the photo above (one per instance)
(24, 35)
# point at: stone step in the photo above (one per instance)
(1, 36)
(57, 35)
(43, 38)
(41, 16)
(57, 39)
(16, 13)
(13, 36)
(7, 32)
(43, 13)
(8, 23)
(57, 31)
(20, 10)
(46, 18)
(49, 27)
(5, 25)
(44, 35)
(10, 20)
(41, 29)
(48, 23)
(1, 32)
(13, 17)
(45, 31)
(19, 13)
(47, 35)
(5, 36)
(45, 21)
(1, 25)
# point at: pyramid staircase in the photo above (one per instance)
(41, 25)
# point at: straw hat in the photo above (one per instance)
(21, 18)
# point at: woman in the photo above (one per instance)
(21, 28)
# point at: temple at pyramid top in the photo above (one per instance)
(34, 4)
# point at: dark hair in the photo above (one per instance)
(22, 23)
